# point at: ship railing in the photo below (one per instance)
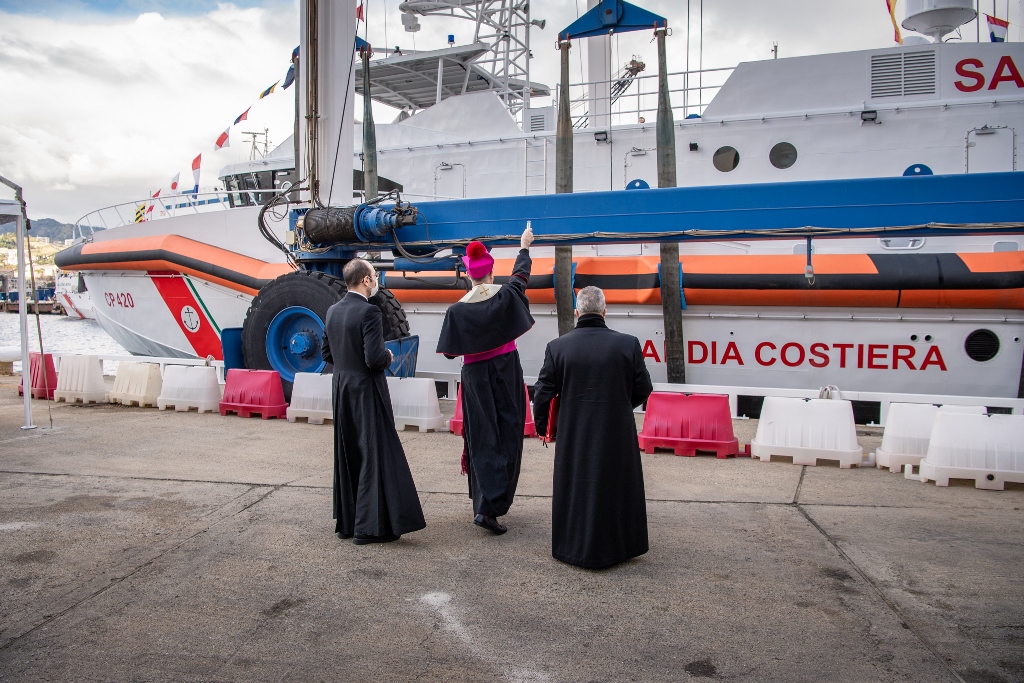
(690, 93)
(129, 213)
(143, 211)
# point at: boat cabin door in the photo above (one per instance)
(990, 150)
(450, 181)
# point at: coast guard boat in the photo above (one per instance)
(929, 314)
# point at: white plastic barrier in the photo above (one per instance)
(311, 398)
(8, 354)
(138, 383)
(80, 378)
(807, 431)
(189, 387)
(414, 401)
(986, 448)
(908, 431)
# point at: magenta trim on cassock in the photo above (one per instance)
(486, 355)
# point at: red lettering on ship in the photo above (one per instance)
(651, 352)
(817, 355)
(703, 352)
(1012, 75)
(785, 356)
(820, 359)
(121, 299)
(732, 353)
(933, 357)
(1006, 71)
(843, 348)
(877, 353)
(961, 70)
(902, 353)
(761, 347)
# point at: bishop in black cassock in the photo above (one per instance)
(598, 510)
(482, 328)
(375, 498)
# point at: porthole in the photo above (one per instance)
(726, 159)
(982, 345)
(783, 155)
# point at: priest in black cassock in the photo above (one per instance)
(482, 328)
(375, 498)
(598, 510)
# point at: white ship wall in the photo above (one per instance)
(813, 103)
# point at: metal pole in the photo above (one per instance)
(295, 131)
(671, 297)
(563, 185)
(370, 132)
(19, 233)
(26, 375)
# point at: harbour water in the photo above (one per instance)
(61, 335)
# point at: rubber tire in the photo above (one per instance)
(315, 290)
(396, 325)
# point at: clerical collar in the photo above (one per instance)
(591, 320)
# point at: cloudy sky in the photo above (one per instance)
(103, 101)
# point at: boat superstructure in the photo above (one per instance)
(896, 313)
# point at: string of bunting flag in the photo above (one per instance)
(144, 211)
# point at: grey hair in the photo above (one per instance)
(590, 300)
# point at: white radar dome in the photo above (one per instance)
(936, 18)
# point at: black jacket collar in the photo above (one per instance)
(591, 320)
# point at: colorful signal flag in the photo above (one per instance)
(891, 6)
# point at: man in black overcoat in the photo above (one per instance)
(375, 498)
(482, 328)
(598, 511)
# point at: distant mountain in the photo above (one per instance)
(43, 227)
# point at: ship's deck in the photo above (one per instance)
(160, 546)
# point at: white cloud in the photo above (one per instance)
(98, 110)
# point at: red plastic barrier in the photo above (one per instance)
(687, 424)
(42, 384)
(530, 429)
(254, 391)
(455, 424)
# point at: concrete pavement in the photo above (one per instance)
(140, 545)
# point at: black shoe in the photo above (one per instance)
(365, 539)
(342, 536)
(491, 524)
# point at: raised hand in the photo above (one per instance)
(527, 239)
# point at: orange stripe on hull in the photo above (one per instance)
(191, 249)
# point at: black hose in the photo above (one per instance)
(269, 235)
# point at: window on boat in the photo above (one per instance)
(783, 155)
(726, 159)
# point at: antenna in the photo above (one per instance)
(254, 150)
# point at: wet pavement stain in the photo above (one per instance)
(837, 574)
(702, 668)
(35, 557)
(282, 606)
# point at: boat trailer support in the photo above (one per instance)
(861, 207)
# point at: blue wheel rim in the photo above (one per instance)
(293, 343)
